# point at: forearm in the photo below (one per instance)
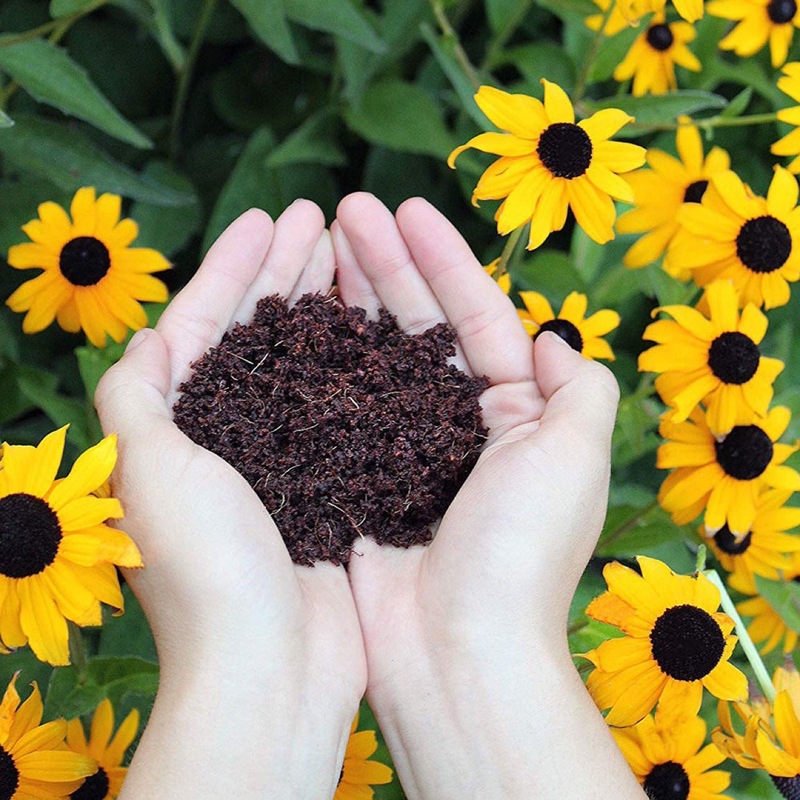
(500, 726)
(233, 729)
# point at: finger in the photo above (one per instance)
(379, 249)
(317, 275)
(297, 232)
(201, 313)
(354, 286)
(581, 399)
(488, 327)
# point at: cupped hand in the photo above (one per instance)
(466, 638)
(273, 650)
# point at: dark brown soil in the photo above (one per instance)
(344, 427)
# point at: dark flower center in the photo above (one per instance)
(565, 149)
(695, 191)
(733, 357)
(660, 37)
(728, 543)
(745, 452)
(9, 775)
(667, 781)
(788, 787)
(84, 261)
(95, 787)
(781, 11)
(566, 330)
(30, 534)
(687, 643)
(763, 244)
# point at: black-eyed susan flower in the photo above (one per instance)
(93, 279)
(57, 555)
(735, 235)
(666, 756)
(580, 332)
(771, 740)
(107, 751)
(359, 774)
(766, 549)
(676, 643)
(623, 15)
(789, 145)
(652, 58)
(504, 281)
(658, 193)
(723, 475)
(760, 21)
(35, 764)
(549, 163)
(714, 359)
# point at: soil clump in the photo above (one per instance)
(344, 426)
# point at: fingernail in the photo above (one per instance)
(137, 339)
(554, 335)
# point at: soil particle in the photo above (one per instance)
(345, 427)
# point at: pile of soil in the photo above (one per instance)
(344, 426)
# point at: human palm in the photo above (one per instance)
(218, 578)
(510, 549)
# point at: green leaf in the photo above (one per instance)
(40, 389)
(168, 230)
(128, 634)
(71, 695)
(784, 597)
(312, 143)
(401, 116)
(539, 60)
(659, 109)
(5, 120)
(739, 103)
(549, 272)
(60, 8)
(339, 17)
(267, 18)
(50, 76)
(505, 13)
(60, 154)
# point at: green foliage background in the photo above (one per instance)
(196, 110)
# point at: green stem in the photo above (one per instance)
(760, 671)
(594, 49)
(447, 30)
(508, 251)
(713, 122)
(77, 650)
(185, 75)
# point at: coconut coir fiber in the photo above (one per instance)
(343, 426)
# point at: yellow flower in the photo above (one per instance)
(581, 334)
(504, 281)
(676, 643)
(666, 758)
(712, 359)
(789, 145)
(652, 58)
(767, 625)
(359, 774)
(106, 783)
(627, 13)
(549, 163)
(34, 761)
(92, 278)
(771, 740)
(735, 235)
(725, 475)
(766, 549)
(57, 556)
(760, 21)
(658, 193)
